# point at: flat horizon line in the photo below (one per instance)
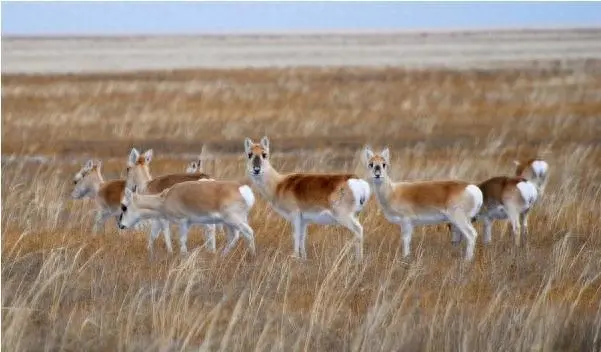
(308, 32)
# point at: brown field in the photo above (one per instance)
(65, 289)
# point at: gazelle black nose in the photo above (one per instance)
(121, 227)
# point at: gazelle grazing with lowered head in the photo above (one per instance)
(195, 202)
(305, 198)
(89, 183)
(138, 176)
(504, 198)
(409, 204)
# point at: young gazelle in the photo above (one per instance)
(408, 204)
(305, 198)
(195, 202)
(504, 198)
(138, 175)
(89, 183)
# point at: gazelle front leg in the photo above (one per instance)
(100, 218)
(524, 224)
(406, 232)
(184, 227)
(210, 230)
(232, 239)
(302, 229)
(297, 223)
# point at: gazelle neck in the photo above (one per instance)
(149, 205)
(383, 189)
(267, 181)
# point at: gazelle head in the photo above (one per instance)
(377, 164)
(257, 155)
(87, 179)
(534, 170)
(130, 213)
(194, 166)
(138, 171)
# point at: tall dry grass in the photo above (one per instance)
(65, 289)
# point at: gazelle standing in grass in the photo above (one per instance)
(504, 198)
(409, 204)
(195, 202)
(511, 198)
(305, 198)
(89, 183)
(138, 176)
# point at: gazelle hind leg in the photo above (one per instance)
(155, 228)
(469, 233)
(524, 224)
(351, 223)
(455, 234)
(514, 217)
(232, 239)
(246, 231)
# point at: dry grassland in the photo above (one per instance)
(65, 289)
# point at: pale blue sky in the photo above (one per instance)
(197, 17)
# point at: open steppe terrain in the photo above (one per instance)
(66, 289)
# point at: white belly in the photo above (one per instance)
(321, 217)
(429, 219)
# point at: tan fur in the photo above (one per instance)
(161, 183)
(304, 198)
(107, 195)
(193, 202)
(423, 202)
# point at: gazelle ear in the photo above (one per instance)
(248, 143)
(133, 157)
(89, 165)
(516, 163)
(386, 154)
(98, 165)
(199, 164)
(265, 142)
(368, 153)
(148, 156)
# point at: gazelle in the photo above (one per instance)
(511, 198)
(195, 202)
(89, 183)
(504, 198)
(305, 198)
(409, 204)
(138, 176)
(194, 166)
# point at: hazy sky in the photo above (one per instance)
(195, 17)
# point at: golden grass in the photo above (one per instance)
(64, 289)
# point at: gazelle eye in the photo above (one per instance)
(384, 166)
(264, 155)
(250, 155)
(371, 165)
(123, 208)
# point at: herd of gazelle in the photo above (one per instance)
(194, 197)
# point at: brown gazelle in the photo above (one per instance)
(304, 198)
(89, 183)
(408, 204)
(504, 198)
(138, 176)
(195, 202)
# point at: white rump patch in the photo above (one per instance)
(248, 195)
(361, 192)
(528, 191)
(476, 193)
(540, 168)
